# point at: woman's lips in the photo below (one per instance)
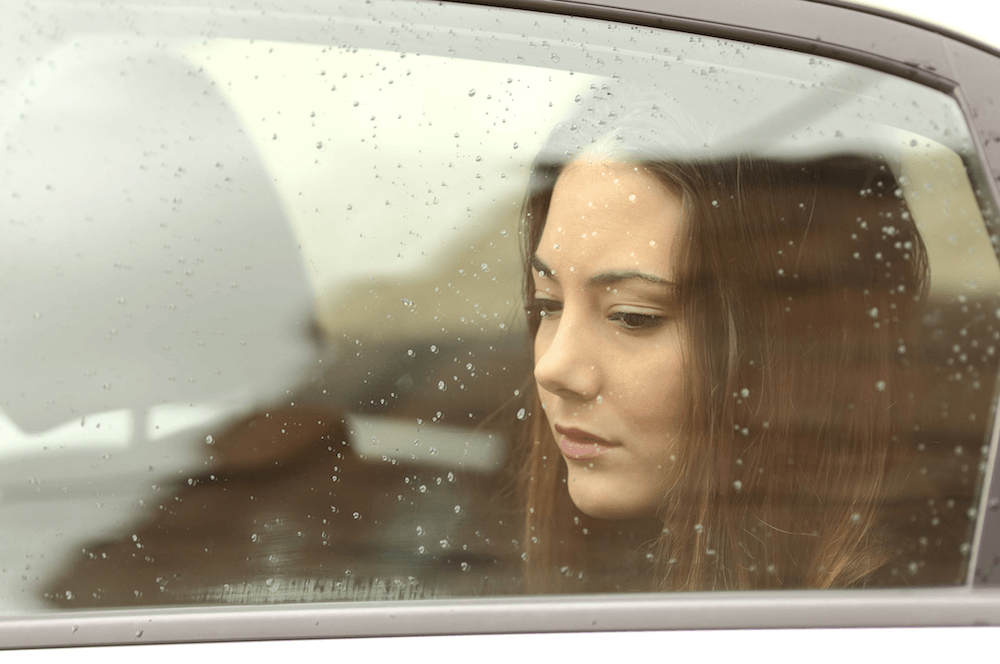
(579, 444)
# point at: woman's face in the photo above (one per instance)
(608, 353)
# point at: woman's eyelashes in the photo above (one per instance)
(546, 308)
(631, 320)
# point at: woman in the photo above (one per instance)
(722, 357)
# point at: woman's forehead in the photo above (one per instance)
(626, 195)
(610, 215)
(594, 167)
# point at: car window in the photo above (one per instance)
(415, 301)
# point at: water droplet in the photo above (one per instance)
(209, 440)
(420, 530)
(880, 386)
(423, 488)
(744, 393)
(254, 538)
(472, 92)
(357, 516)
(521, 414)
(442, 386)
(737, 485)
(465, 567)
(515, 145)
(458, 509)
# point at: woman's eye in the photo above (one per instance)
(546, 308)
(549, 307)
(634, 321)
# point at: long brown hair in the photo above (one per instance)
(799, 283)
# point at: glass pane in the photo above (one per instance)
(412, 301)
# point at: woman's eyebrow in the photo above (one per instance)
(605, 278)
(539, 266)
(609, 278)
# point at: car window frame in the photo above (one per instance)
(961, 67)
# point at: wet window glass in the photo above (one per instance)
(411, 301)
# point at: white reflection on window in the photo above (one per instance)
(111, 429)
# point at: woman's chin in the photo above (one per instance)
(609, 503)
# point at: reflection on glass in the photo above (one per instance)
(436, 301)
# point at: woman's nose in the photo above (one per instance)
(566, 360)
